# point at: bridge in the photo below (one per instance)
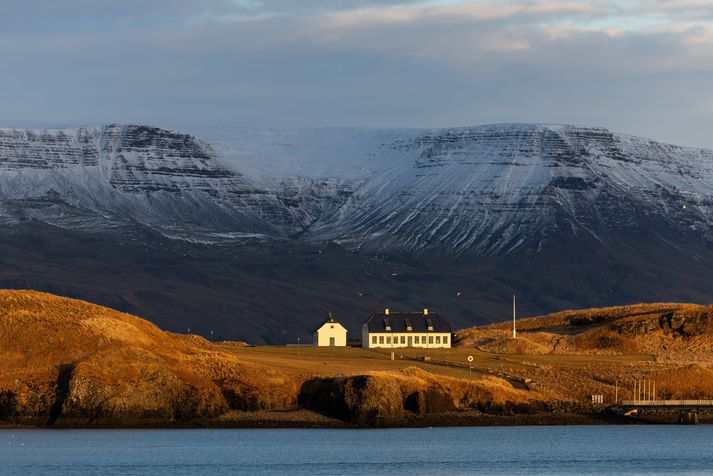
(687, 408)
(683, 405)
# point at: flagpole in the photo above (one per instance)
(514, 330)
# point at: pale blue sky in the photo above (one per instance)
(643, 67)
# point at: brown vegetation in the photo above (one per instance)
(68, 362)
(660, 328)
(604, 351)
(385, 397)
(71, 362)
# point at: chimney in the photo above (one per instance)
(425, 312)
(386, 311)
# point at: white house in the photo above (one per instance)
(406, 329)
(330, 334)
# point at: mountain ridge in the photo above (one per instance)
(482, 165)
(293, 224)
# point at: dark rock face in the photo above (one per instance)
(249, 399)
(141, 159)
(373, 400)
(27, 149)
(430, 400)
(362, 399)
(689, 325)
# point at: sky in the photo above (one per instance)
(643, 67)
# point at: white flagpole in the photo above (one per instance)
(514, 330)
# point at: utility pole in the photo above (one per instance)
(616, 391)
(514, 330)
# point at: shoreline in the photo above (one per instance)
(306, 419)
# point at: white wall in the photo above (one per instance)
(331, 329)
(393, 340)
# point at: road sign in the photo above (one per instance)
(470, 358)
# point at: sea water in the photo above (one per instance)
(484, 450)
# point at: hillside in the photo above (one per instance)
(71, 363)
(662, 329)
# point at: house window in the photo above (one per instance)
(388, 339)
(403, 339)
(445, 339)
(416, 340)
(373, 339)
(438, 339)
(430, 339)
(381, 339)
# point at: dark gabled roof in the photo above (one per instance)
(400, 320)
(328, 320)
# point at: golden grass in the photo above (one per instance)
(619, 330)
(120, 360)
(125, 363)
(130, 366)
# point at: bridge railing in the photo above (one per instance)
(666, 403)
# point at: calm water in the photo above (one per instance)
(514, 450)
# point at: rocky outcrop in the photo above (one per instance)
(37, 149)
(251, 398)
(386, 398)
(73, 363)
(361, 399)
(682, 324)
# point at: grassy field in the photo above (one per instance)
(336, 361)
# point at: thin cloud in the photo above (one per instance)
(642, 66)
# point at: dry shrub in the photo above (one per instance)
(690, 382)
(69, 358)
(438, 393)
(656, 328)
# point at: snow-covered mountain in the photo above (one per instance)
(485, 190)
(107, 178)
(492, 190)
(288, 224)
